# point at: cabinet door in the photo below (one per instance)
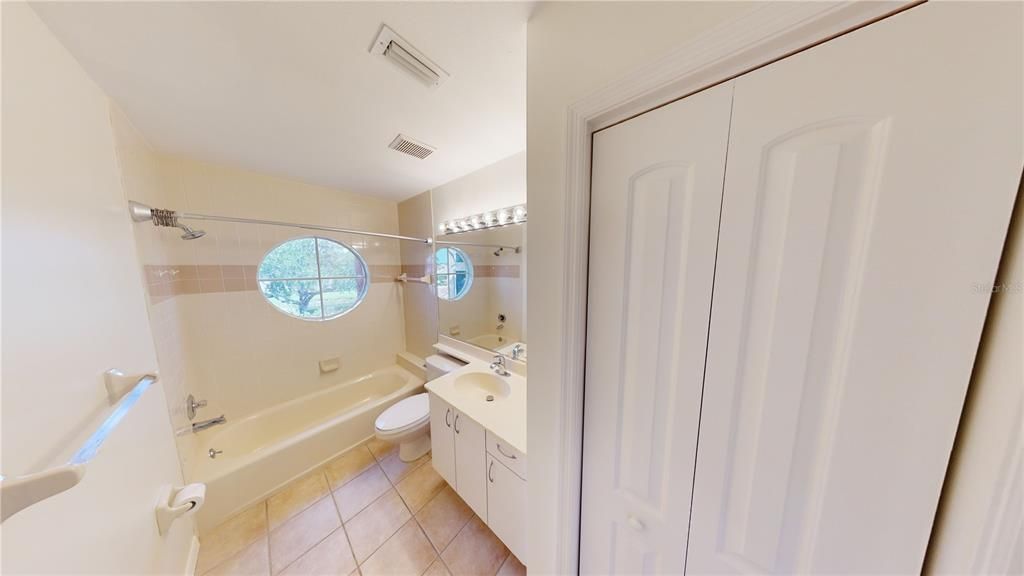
(868, 191)
(506, 507)
(471, 463)
(657, 191)
(442, 439)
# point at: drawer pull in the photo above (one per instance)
(457, 423)
(511, 456)
(448, 418)
(490, 470)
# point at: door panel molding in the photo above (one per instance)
(764, 35)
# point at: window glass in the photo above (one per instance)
(313, 278)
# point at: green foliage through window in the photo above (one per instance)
(313, 278)
(454, 273)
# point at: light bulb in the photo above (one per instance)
(520, 213)
(442, 227)
(504, 216)
(478, 222)
(490, 219)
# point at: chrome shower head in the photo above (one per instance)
(169, 218)
(499, 251)
(191, 234)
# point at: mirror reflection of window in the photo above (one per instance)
(454, 272)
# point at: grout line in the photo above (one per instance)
(388, 539)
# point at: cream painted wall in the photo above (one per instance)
(499, 185)
(231, 347)
(74, 306)
(415, 218)
(574, 49)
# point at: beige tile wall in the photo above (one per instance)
(216, 336)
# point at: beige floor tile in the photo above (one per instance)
(296, 497)
(512, 567)
(251, 561)
(232, 536)
(476, 550)
(374, 525)
(443, 517)
(407, 552)
(296, 536)
(360, 492)
(380, 448)
(331, 556)
(420, 486)
(396, 469)
(348, 466)
(437, 569)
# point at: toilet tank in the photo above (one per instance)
(439, 365)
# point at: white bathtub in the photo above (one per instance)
(269, 449)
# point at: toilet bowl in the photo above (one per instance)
(407, 423)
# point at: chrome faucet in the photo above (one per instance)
(499, 365)
(204, 424)
(517, 351)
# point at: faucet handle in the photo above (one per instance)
(192, 405)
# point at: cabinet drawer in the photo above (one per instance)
(507, 455)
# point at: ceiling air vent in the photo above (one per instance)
(411, 147)
(398, 50)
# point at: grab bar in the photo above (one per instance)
(20, 492)
(406, 279)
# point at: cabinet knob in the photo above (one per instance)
(635, 523)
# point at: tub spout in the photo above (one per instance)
(204, 424)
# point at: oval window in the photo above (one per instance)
(313, 278)
(454, 273)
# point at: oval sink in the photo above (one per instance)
(482, 385)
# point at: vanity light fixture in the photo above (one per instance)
(490, 219)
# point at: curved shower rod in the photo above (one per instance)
(170, 218)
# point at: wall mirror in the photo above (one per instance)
(479, 278)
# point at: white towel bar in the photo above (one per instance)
(20, 492)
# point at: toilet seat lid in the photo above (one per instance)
(404, 413)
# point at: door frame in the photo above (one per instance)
(762, 36)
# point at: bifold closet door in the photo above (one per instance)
(868, 192)
(655, 201)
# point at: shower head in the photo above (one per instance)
(499, 251)
(169, 218)
(191, 234)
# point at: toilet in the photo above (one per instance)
(407, 422)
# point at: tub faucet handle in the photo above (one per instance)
(213, 452)
(192, 405)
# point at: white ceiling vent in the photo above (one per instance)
(407, 145)
(398, 50)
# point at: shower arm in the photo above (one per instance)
(142, 213)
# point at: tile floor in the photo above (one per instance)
(365, 512)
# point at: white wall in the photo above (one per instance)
(573, 49)
(415, 218)
(498, 185)
(74, 306)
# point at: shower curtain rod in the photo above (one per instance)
(517, 249)
(141, 213)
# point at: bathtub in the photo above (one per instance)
(267, 450)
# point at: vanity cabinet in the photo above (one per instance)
(442, 438)
(459, 453)
(484, 470)
(506, 506)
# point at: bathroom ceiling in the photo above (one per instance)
(291, 88)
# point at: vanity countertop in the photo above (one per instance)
(467, 388)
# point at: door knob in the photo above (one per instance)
(635, 523)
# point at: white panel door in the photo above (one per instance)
(656, 197)
(442, 439)
(869, 186)
(471, 463)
